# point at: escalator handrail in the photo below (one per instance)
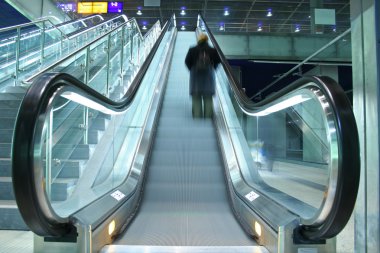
(30, 194)
(29, 79)
(97, 25)
(47, 19)
(348, 170)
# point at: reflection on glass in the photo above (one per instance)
(289, 147)
(87, 148)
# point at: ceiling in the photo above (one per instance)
(244, 15)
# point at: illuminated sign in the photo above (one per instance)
(67, 7)
(99, 7)
(115, 7)
(85, 7)
(92, 7)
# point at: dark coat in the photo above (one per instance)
(202, 83)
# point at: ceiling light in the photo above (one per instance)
(183, 13)
(139, 12)
(221, 27)
(334, 29)
(144, 27)
(259, 27)
(295, 100)
(183, 28)
(297, 29)
(269, 14)
(226, 12)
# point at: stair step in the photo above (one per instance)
(98, 124)
(9, 113)
(6, 189)
(74, 152)
(5, 168)
(69, 169)
(10, 104)
(5, 150)
(10, 217)
(7, 123)
(11, 96)
(183, 249)
(16, 89)
(60, 189)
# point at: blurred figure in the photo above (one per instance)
(202, 61)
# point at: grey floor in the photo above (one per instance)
(16, 241)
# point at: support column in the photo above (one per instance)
(365, 68)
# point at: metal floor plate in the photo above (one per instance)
(183, 249)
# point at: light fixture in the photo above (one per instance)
(258, 228)
(334, 29)
(183, 12)
(259, 27)
(221, 27)
(297, 99)
(139, 12)
(226, 12)
(183, 28)
(269, 13)
(298, 29)
(111, 227)
(144, 27)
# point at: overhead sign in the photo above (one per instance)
(115, 7)
(99, 7)
(92, 7)
(85, 7)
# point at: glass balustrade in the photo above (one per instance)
(28, 50)
(86, 152)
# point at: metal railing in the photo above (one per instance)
(45, 44)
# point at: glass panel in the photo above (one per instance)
(86, 152)
(288, 147)
(43, 44)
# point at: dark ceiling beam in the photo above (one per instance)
(291, 15)
(246, 17)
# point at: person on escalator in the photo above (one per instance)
(202, 61)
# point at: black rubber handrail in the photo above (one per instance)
(348, 141)
(31, 198)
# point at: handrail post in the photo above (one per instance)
(42, 42)
(130, 34)
(85, 125)
(122, 52)
(87, 66)
(18, 40)
(85, 111)
(108, 64)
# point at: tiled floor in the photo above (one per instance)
(16, 241)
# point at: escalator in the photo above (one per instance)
(87, 62)
(158, 180)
